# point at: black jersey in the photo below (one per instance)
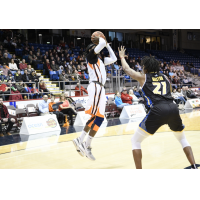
(156, 89)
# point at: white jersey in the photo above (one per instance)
(97, 72)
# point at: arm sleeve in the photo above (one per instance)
(100, 46)
(112, 58)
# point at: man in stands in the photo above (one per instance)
(4, 90)
(25, 76)
(80, 90)
(6, 59)
(18, 76)
(47, 67)
(126, 98)
(54, 67)
(43, 106)
(5, 71)
(23, 65)
(190, 93)
(4, 117)
(63, 77)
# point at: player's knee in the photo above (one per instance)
(97, 123)
(137, 138)
(180, 136)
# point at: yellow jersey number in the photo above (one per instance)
(158, 86)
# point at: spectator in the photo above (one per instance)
(136, 93)
(83, 67)
(125, 97)
(12, 65)
(28, 90)
(9, 55)
(21, 88)
(63, 77)
(59, 115)
(5, 59)
(43, 106)
(135, 99)
(10, 77)
(43, 87)
(186, 81)
(5, 117)
(34, 77)
(35, 93)
(138, 67)
(18, 76)
(16, 60)
(118, 101)
(25, 76)
(80, 90)
(75, 76)
(14, 90)
(30, 57)
(65, 108)
(54, 67)
(5, 71)
(30, 70)
(47, 67)
(190, 94)
(23, 65)
(71, 101)
(180, 95)
(4, 90)
(171, 73)
(58, 61)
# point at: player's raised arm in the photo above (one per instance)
(132, 73)
(112, 58)
(100, 46)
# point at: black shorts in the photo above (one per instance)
(162, 114)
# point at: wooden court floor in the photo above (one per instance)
(111, 147)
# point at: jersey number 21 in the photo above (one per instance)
(161, 88)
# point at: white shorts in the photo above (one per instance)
(97, 100)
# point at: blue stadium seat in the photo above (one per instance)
(40, 66)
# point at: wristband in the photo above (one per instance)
(121, 57)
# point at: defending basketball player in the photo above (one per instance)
(157, 92)
(97, 99)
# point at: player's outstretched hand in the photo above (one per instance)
(122, 52)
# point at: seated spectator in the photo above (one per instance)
(27, 90)
(136, 93)
(71, 101)
(4, 90)
(59, 62)
(69, 66)
(83, 67)
(180, 95)
(25, 51)
(43, 106)
(59, 115)
(65, 108)
(63, 77)
(33, 77)
(5, 72)
(14, 90)
(5, 117)
(26, 77)
(138, 67)
(186, 81)
(21, 88)
(54, 67)
(30, 57)
(18, 76)
(125, 97)
(79, 90)
(23, 65)
(13, 65)
(75, 76)
(118, 101)
(171, 73)
(35, 92)
(5, 59)
(190, 94)
(43, 87)
(30, 70)
(135, 99)
(47, 67)
(10, 77)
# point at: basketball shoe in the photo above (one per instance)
(77, 145)
(87, 151)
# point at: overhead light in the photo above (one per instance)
(48, 42)
(79, 38)
(40, 34)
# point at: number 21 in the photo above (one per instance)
(158, 86)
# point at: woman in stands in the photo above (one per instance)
(34, 77)
(13, 66)
(135, 99)
(65, 108)
(18, 76)
(118, 101)
(29, 70)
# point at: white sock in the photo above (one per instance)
(82, 136)
(89, 140)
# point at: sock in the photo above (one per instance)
(82, 136)
(194, 166)
(89, 140)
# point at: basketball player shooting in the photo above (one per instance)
(157, 92)
(97, 99)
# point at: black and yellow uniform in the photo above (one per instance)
(157, 94)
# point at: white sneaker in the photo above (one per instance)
(87, 151)
(77, 145)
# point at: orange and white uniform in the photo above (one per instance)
(97, 98)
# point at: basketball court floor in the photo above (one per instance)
(111, 147)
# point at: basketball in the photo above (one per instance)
(97, 34)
